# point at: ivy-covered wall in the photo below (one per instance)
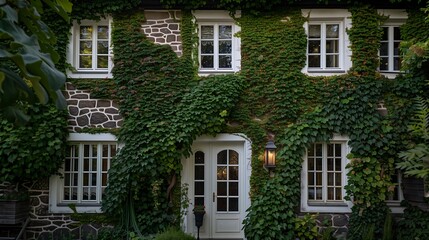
(166, 105)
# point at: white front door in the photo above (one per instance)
(216, 174)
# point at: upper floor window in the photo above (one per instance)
(218, 46)
(90, 49)
(324, 177)
(84, 173)
(390, 59)
(324, 51)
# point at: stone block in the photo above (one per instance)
(156, 15)
(109, 125)
(111, 111)
(173, 26)
(171, 38)
(72, 102)
(83, 121)
(87, 104)
(103, 103)
(340, 220)
(160, 40)
(165, 30)
(98, 118)
(80, 96)
(74, 111)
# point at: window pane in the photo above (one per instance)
(338, 150)
(233, 173)
(384, 51)
(102, 47)
(221, 173)
(332, 61)
(85, 179)
(105, 162)
(225, 62)
(318, 149)
(397, 63)
(85, 62)
(332, 31)
(221, 204)
(199, 201)
(103, 32)
(102, 61)
(330, 193)
(207, 47)
(222, 157)
(314, 31)
(311, 193)
(318, 193)
(233, 189)
(396, 48)
(85, 32)
(199, 157)
(310, 178)
(314, 61)
(207, 62)
(104, 179)
(330, 150)
(314, 46)
(310, 163)
(85, 47)
(225, 46)
(384, 63)
(199, 188)
(233, 204)
(225, 32)
(233, 157)
(338, 194)
(310, 151)
(207, 32)
(332, 46)
(338, 164)
(330, 164)
(396, 33)
(199, 172)
(319, 178)
(338, 180)
(330, 179)
(319, 162)
(385, 33)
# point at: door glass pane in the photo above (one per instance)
(199, 172)
(221, 204)
(221, 189)
(233, 157)
(199, 157)
(199, 188)
(199, 201)
(233, 189)
(221, 173)
(233, 173)
(233, 204)
(222, 157)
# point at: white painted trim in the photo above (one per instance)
(56, 182)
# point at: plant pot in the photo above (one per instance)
(13, 211)
(199, 217)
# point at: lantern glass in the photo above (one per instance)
(270, 155)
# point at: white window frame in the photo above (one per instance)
(395, 205)
(56, 183)
(324, 17)
(342, 206)
(390, 51)
(73, 51)
(216, 18)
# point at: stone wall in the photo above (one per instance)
(86, 112)
(163, 27)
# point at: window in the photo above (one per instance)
(324, 177)
(324, 45)
(216, 45)
(390, 60)
(91, 50)
(84, 173)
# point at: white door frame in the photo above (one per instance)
(187, 177)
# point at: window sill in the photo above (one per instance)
(89, 74)
(329, 204)
(326, 71)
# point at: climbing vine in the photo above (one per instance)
(166, 105)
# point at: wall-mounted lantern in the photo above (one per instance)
(270, 156)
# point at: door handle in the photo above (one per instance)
(214, 196)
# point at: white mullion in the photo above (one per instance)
(390, 42)
(323, 46)
(80, 173)
(94, 47)
(109, 49)
(324, 172)
(99, 170)
(216, 46)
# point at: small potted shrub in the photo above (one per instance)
(14, 205)
(199, 211)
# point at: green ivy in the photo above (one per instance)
(36, 150)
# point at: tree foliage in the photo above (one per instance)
(28, 57)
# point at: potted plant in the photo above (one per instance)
(14, 205)
(199, 211)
